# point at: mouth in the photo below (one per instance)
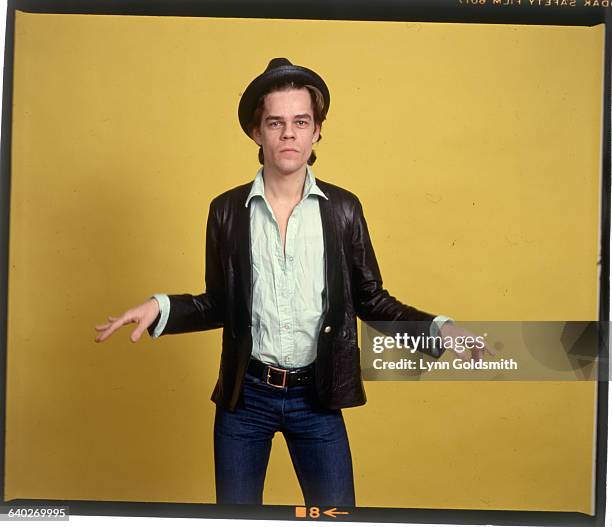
(284, 150)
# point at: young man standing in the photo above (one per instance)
(289, 267)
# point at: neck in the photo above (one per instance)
(284, 187)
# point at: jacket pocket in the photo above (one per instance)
(346, 363)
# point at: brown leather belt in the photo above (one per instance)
(279, 377)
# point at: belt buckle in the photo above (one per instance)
(284, 377)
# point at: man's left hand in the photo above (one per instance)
(461, 349)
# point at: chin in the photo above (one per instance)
(290, 168)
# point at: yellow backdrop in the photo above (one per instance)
(475, 150)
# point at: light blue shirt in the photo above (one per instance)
(287, 288)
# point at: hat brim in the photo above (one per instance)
(276, 76)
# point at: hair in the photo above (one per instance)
(318, 110)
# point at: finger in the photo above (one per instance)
(103, 336)
(137, 333)
(143, 325)
(462, 355)
(100, 338)
(102, 327)
(126, 319)
(482, 352)
(475, 353)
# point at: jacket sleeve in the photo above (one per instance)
(204, 311)
(373, 303)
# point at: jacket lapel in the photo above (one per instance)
(243, 249)
(332, 249)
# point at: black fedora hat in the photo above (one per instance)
(279, 70)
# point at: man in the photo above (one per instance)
(289, 267)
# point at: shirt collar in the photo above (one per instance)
(310, 186)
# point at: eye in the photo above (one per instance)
(302, 123)
(274, 124)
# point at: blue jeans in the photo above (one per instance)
(317, 442)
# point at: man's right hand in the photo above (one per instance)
(143, 315)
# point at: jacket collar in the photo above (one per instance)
(310, 186)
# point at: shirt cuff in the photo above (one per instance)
(436, 324)
(164, 312)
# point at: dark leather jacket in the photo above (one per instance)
(353, 288)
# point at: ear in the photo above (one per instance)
(256, 136)
(315, 134)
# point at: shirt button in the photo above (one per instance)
(290, 258)
(286, 326)
(327, 329)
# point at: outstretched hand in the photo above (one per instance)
(448, 329)
(143, 315)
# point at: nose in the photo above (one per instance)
(288, 131)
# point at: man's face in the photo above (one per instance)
(287, 130)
